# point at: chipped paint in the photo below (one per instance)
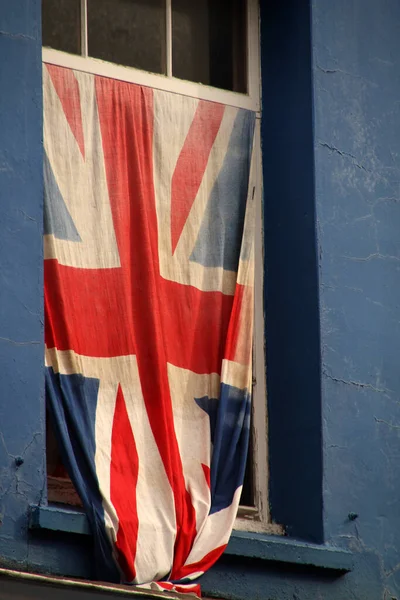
(338, 186)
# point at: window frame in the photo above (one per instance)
(249, 518)
(258, 518)
(169, 83)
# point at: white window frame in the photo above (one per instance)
(255, 518)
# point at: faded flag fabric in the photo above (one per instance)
(149, 270)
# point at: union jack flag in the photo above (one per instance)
(148, 303)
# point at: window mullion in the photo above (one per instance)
(168, 36)
(84, 30)
(253, 48)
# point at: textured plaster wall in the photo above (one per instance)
(354, 155)
(21, 297)
(356, 64)
(22, 411)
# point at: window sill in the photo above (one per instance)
(242, 544)
(287, 550)
(59, 518)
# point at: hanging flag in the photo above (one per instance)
(149, 310)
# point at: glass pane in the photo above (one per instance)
(61, 27)
(209, 42)
(128, 32)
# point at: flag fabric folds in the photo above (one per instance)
(148, 242)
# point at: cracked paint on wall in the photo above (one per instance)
(357, 153)
(22, 461)
(356, 142)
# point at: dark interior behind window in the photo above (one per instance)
(128, 32)
(209, 42)
(61, 26)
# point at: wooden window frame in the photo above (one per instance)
(257, 517)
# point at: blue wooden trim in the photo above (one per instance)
(291, 271)
(286, 550)
(57, 518)
(241, 543)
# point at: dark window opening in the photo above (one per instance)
(128, 32)
(61, 25)
(209, 38)
(60, 488)
(247, 497)
(209, 42)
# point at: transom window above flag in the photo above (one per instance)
(149, 222)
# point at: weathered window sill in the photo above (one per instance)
(287, 550)
(246, 544)
(59, 518)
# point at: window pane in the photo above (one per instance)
(247, 497)
(209, 42)
(128, 32)
(61, 25)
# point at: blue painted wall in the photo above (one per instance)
(356, 67)
(21, 296)
(331, 146)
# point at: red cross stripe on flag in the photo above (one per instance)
(143, 306)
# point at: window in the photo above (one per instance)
(205, 49)
(202, 41)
